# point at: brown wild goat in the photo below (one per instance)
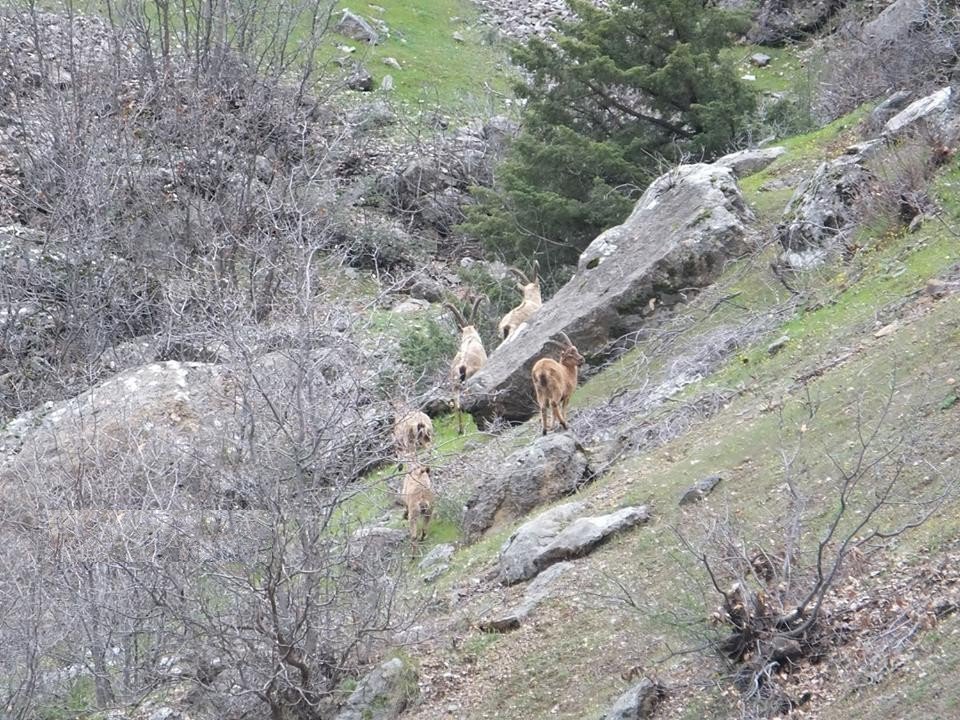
(412, 432)
(554, 382)
(532, 302)
(469, 358)
(418, 498)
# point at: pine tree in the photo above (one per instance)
(608, 100)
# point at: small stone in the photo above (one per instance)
(748, 77)
(760, 59)
(346, 49)
(887, 330)
(936, 288)
(387, 83)
(777, 345)
(700, 489)
(392, 62)
(458, 37)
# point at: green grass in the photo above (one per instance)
(437, 70)
(785, 71)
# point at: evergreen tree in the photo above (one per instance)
(612, 96)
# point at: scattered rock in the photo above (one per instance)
(760, 59)
(518, 552)
(438, 556)
(392, 62)
(700, 490)
(681, 231)
(540, 589)
(361, 80)
(382, 694)
(355, 27)
(410, 306)
(749, 78)
(550, 468)
(638, 702)
(584, 534)
(935, 110)
(887, 330)
(458, 37)
(748, 162)
(887, 109)
(387, 83)
(777, 345)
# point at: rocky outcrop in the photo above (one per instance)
(778, 21)
(552, 467)
(355, 27)
(892, 105)
(540, 589)
(897, 21)
(638, 702)
(518, 552)
(683, 229)
(820, 213)
(554, 536)
(937, 112)
(748, 162)
(382, 694)
(700, 489)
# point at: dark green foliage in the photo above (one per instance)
(621, 91)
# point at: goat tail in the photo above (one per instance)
(463, 373)
(543, 379)
(425, 509)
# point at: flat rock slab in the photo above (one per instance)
(936, 108)
(748, 162)
(584, 534)
(540, 589)
(679, 236)
(700, 490)
(520, 550)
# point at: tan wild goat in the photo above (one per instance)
(469, 358)
(532, 302)
(417, 495)
(554, 382)
(412, 432)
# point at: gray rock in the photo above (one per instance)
(683, 228)
(382, 694)
(584, 534)
(438, 556)
(519, 551)
(360, 79)
(760, 59)
(638, 702)
(898, 20)
(700, 489)
(780, 20)
(748, 162)
(887, 109)
(550, 468)
(392, 62)
(355, 27)
(777, 345)
(820, 213)
(375, 547)
(387, 83)
(935, 110)
(540, 589)
(426, 288)
(410, 306)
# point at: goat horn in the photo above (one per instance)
(520, 276)
(536, 270)
(476, 305)
(563, 336)
(456, 315)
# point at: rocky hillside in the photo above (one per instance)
(220, 289)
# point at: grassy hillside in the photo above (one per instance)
(640, 604)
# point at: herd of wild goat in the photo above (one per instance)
(553, 384)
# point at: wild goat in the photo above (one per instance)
(412, 432)
(469, 358)
(524, 311)
(418, 498)
(554, 382)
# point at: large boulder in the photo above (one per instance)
(898, 20)
(550, 468)
(637, 703)
(937, 112)
(518, 552)
(821, 211)
(683, 229)
(555, 536)
(778, 21)
(382, 694)
(750, 161)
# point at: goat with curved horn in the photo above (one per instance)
(554, 382)
(469, 358)
(532, 302)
